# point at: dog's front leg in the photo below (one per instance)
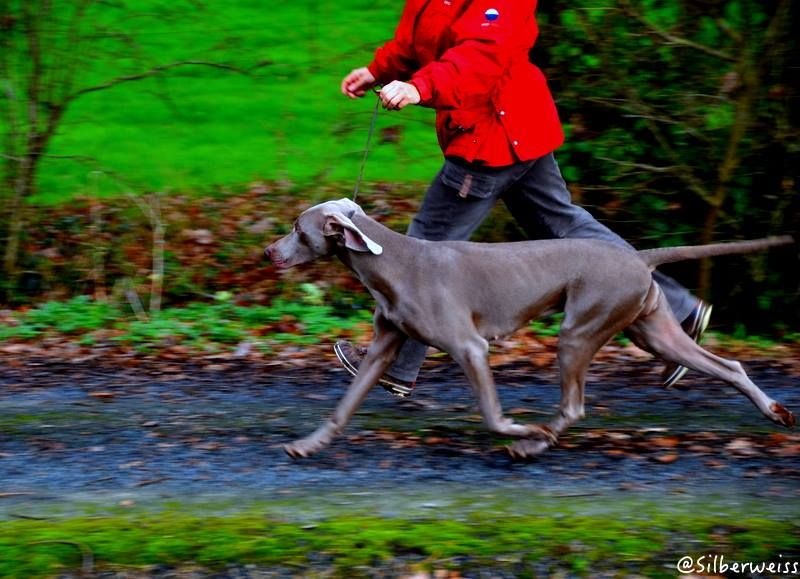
(382, 352)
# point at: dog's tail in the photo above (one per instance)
(655, 257)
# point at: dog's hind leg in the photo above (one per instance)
(582, 334)
(659, 333)
(472, 356)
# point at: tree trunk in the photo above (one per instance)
(707, 264)
(730, 163)
(23, 188)
(157, 284)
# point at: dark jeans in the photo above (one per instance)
(535, 193)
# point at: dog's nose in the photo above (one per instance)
(273, 253)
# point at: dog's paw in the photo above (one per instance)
(527, 448)
(302, 448)
(542, 433)
(782, 415)
(294, 451)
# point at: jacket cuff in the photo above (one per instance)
(373, 70)
(380, 65)
(424, 89)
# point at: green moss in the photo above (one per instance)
(647, 540)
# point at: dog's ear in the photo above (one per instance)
(354, 238)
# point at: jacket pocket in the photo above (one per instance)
(467, 181)
(463, 120)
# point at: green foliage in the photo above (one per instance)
(679, 100)
(199, 325)
(76, 316)
(549, 326)
(682, 129)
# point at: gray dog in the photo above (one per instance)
(458, 296)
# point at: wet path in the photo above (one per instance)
(191, 431)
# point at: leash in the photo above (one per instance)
(376, 89)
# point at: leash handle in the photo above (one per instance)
(376, 89)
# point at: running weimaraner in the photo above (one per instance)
(458, 296)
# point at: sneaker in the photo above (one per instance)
(695, 326)
(351, 356)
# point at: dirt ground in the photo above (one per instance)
(98, 425)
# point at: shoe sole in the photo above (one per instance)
(696, 333)
(678, 373)
(343, 359)
(399, 390)
(701, 324)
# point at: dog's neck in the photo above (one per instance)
(376, 272)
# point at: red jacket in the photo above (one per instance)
(469, 60)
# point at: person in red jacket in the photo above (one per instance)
(497, 126)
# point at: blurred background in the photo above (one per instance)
(150, 149)
(153, 363)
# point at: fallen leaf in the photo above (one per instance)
(788, 450)
(209, 446)
(667, 458)
(615, 453)
(741, 447)
(665, 441)
(105, 396)
(619, 436)
(700, 449)
(520, 411)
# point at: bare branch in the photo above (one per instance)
(775, 28)
(157, 275)
(625, 106)
(632, 98)
(134, 301)
(68, 71)
(686, 174)
(734, 34)
(123, 184)
(14, 132)
(98, 272)
(34, 53)
(642, 166)
(672, 38)
(82, 158)
(666, 121)
(153, 72)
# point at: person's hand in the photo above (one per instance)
(398, 94)
(357, 82)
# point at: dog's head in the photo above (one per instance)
(318, 232)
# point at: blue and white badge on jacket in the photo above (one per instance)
(491, 14)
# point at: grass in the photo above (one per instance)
(206, 129)
(200, 326)
(541, 535)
